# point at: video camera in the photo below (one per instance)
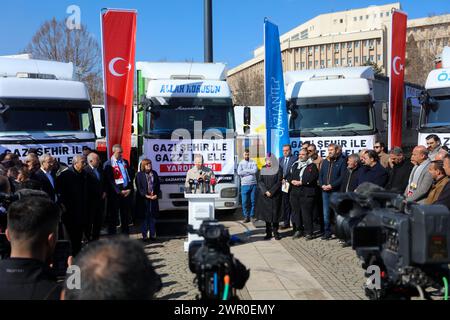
(409, 243)
(218, 273)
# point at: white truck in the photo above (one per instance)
(346, 106)
(41, 107)
(186, 109)
(435, 114)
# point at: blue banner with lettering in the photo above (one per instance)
(275, 101)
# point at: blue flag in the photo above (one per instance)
(275, 101)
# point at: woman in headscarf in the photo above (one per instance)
(268, 204)
(303, 183)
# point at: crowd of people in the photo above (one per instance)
(297, 190)
(73, 202)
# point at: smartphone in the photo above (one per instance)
(63, 250)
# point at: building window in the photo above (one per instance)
(303, 65)
(387, 14)
(349, 45)
(343, 61)
(310, 49)
(335, 21)
(355, 19)
(329, 63)
(360, 18)
(316, 49)
(322, 48)
(371, 43)
(297, 66)
(364, 59)
(336, 62)
(295, 37)
(356, 60)
(371, 58)
(349, 61)
(379, 57)
(367, 17)
(336, 46)
(342, 20)
(310, 64)
(322, 63)
(304, 34)
(381, 14)
(328, 46)
(378, 42)
(302, 50)
(316, 63)
(356, 44)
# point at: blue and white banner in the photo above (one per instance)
(275, 101)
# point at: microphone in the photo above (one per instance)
(213, 184)
(201, 183)
(191, 182)
(195, 185)
(207, 185)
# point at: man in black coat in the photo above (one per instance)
(119, 178)
(400, 171)
(97, 193)
(72, 186)
(286, 162)
(350, 181)
(372, 171)
(46, 176)
(303, 182)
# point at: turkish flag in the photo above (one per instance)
(396, 77)
(119, 46)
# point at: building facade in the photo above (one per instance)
(345, 39)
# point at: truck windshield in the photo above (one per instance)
(437, 114)
(321, 118)
(164, 119)
(46, 115)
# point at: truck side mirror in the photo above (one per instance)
(102, 117)
(103, 132)
(247, 119)
(385, 111)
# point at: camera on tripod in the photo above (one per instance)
(408, 242)
(218, 273)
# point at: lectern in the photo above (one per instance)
(201, 207)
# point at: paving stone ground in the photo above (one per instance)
(335, 268)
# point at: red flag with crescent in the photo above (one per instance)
(119, 46)
(396, 77)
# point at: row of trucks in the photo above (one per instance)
(183, 109)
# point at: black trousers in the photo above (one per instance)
(96, 217)
(318, 209)
(119, 206)
(286, 207)
(75, 233)
(272, 227)
(302, 213)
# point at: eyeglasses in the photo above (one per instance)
(377, 147)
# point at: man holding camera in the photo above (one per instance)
(32, 232)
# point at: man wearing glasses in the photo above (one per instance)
(380, 149)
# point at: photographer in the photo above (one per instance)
(32, 232)
(114, 269)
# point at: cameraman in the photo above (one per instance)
(32, 232)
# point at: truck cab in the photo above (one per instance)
(186, 109)
(41, 107)
(435, 112)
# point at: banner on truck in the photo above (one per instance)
(119, 45)
(275, 101)
(62, 152)
(172, 159)
(396, 78)
(349, 145)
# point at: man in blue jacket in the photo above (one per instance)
(330, 178)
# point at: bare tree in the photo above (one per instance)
(423, 47)
(248, 89)
(54, 41)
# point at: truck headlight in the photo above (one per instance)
(228, 193)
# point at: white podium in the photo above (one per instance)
(201, 207)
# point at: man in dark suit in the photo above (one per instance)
(286, 162)
(73, 193)
(119, 178)
(46, 176)
(97, 193)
